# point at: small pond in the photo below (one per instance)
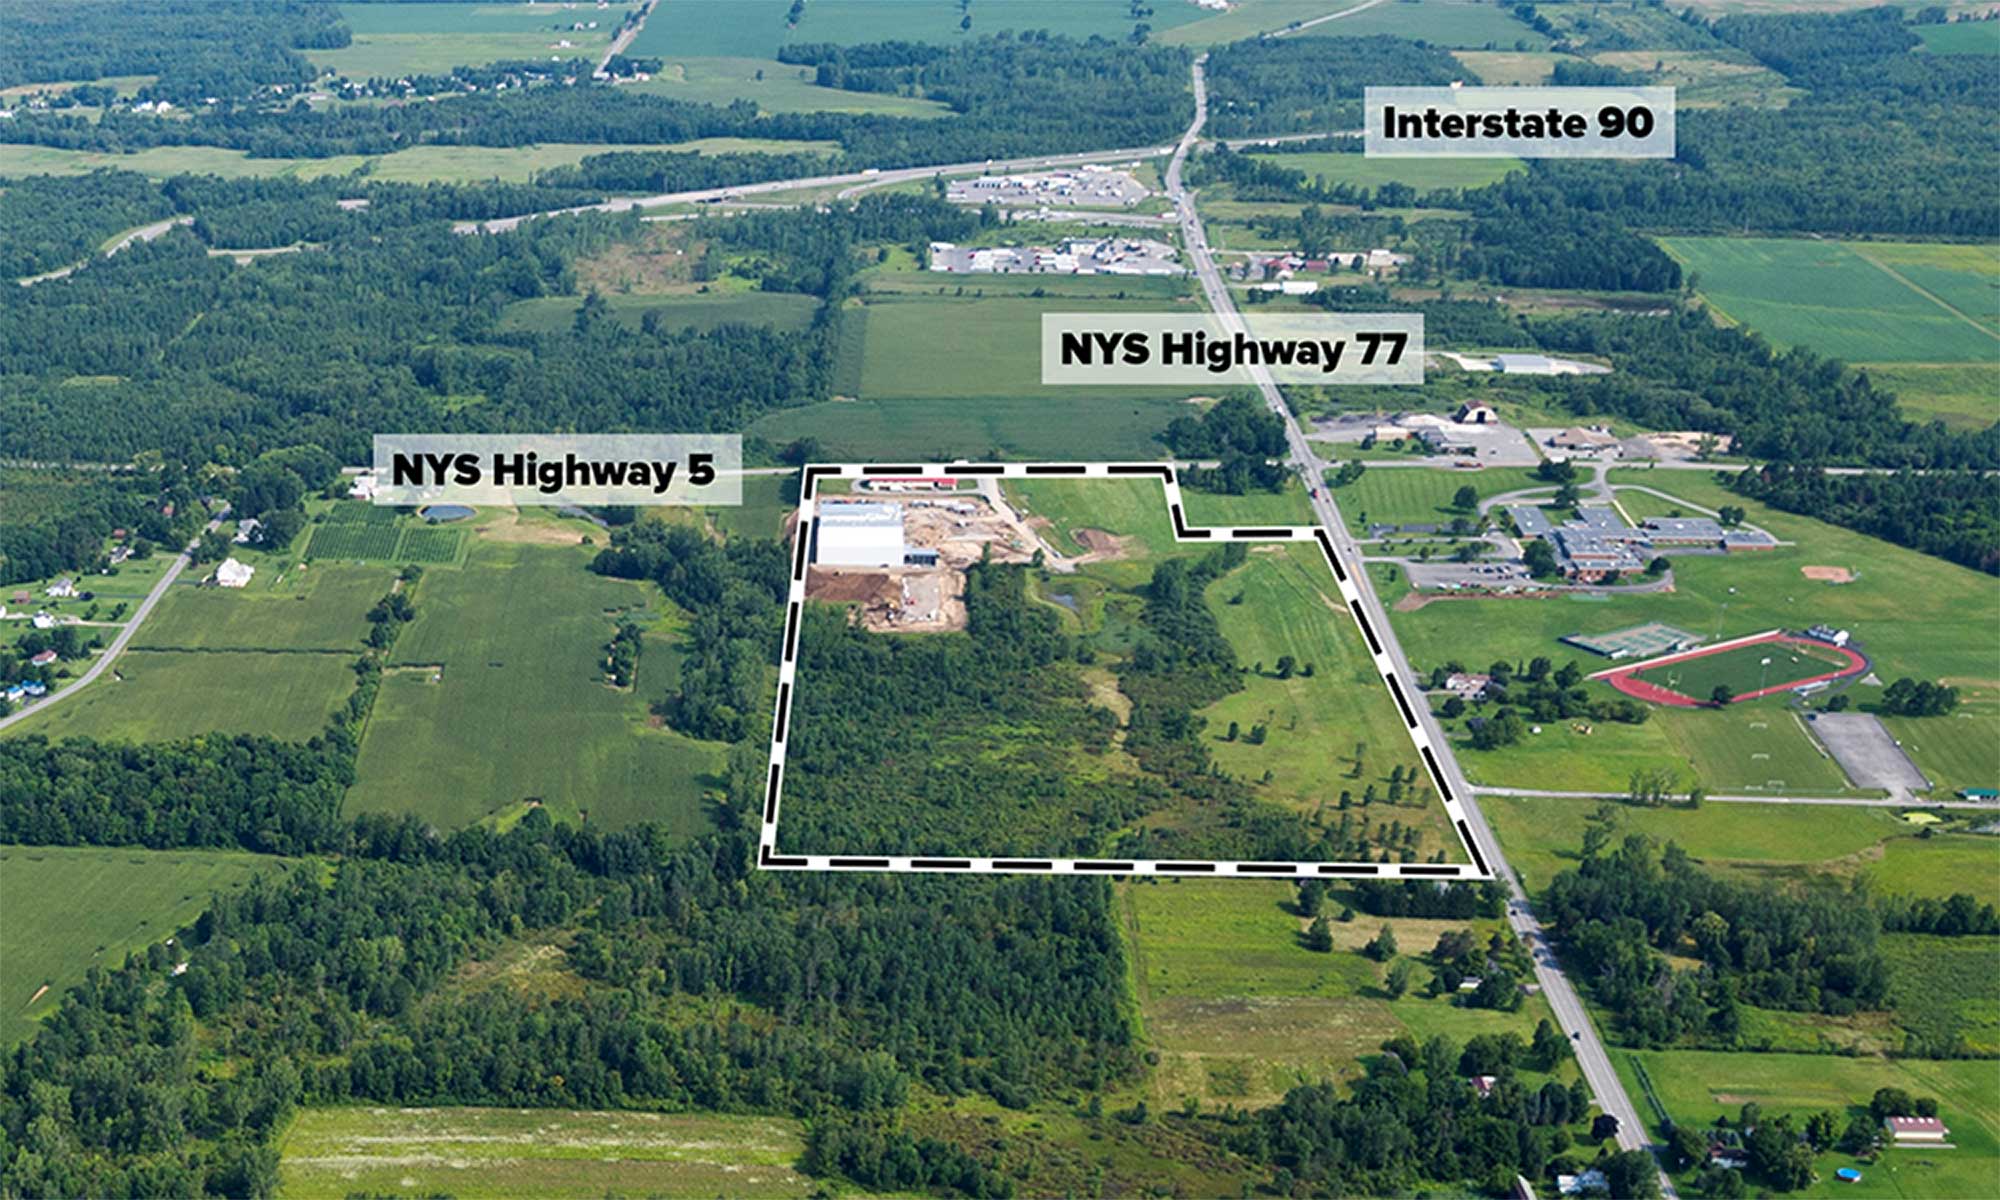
(438, 514)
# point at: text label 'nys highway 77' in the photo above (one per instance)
(1201, 350)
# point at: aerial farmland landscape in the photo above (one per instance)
(638, 597)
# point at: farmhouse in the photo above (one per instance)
(233, 574)
(1915, 1130)
(246, 531)
(44, 658)
(61, 589)
(1467, 686)
(863, 534)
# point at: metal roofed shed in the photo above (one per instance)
(865, 534)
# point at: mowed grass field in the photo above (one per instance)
(1289, 605)
(1963, 397)
(64, 910)
(1425, 175)
(499, 697)
(1240, 1011)
(1912, 614)
(757, 28)
(391, 40)
(1422, 495)
(1757, 842)
(1289, 506)
(162, 695)
(1697, 1086)
(1864, 302)
(1961, 37)
(492, 1152)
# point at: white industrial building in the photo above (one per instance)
(859, 534)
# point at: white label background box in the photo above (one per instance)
(1586, 102)
(724, 451)
(1315, 327)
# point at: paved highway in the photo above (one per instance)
(1562, 997)
(110, 655)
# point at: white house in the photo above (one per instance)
(246, 530)
(61, 589)
(233, 574)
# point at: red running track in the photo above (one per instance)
(1629, 683)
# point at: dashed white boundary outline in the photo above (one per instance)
(769, 857)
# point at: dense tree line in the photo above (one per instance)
(1952, 514)
(199, 48)
(68, 533)
(1314, 84)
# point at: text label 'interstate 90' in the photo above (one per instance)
(1520, 122)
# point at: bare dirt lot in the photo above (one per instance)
(1828, 574)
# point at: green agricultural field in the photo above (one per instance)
(491, 1152)
(1240, 1011)
(763, 511)
(353, 541)
(994, 428)
(404, 39)
(1423, 495)
(1423, 174)
(1744, 669)
(136, 898)
(498, 697)
(1755, 842)
(1963, 397)
(1912, 614)
(773, 86)
(1289, 605)
(1946, 990)
(757, 28)
(1697, 1086)
(1861, 302)
(1721, 78)
(1450, 23)
(1961, 37)
(420, 164)
(161, 695)
(321, 607)
(781, 310)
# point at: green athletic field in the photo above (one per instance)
(1743, 669)
(1913, 615)
(1862, 302)
(497, 698)
(49, 936)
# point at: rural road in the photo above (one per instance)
(1568, 1007)
(625, 37)
(1849, 801)
(1301, 26)
(145, 233)
(117, 646)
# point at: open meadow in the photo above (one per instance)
(495, 696)
(322, 606)
(495, 1152)
(1757, 842)
(1240, 1010)
(1450, 23)
(1283, 603)
(136, 897)
(773, 86)
(163, 695)
(700, 313)
(1423, 495)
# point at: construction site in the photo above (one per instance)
(901, 562)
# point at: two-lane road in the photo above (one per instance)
(1562, 996)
